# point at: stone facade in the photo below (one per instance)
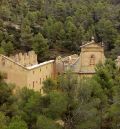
(23, 70)
(84, 64)
(25, 59)
(91, 55)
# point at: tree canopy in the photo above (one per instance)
(51, 27)
(68, 102)
(62, 25)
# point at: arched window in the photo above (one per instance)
(92, 60)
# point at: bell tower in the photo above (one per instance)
(91, 54)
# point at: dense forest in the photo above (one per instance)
(68, 103)
(53, 27)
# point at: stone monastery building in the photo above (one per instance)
(24, 70)
(84, 64)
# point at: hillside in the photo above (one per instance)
(45, 25)
(48, 95)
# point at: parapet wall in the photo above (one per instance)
(25, 59)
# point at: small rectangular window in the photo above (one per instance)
(33, 84)
(40, 80)
(41, 90)
(5, 75)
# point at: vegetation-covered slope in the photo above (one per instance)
(43, 25)
(68, 103)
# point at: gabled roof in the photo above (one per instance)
(92, 42)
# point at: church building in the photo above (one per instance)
(23, 69)
(91, 54)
